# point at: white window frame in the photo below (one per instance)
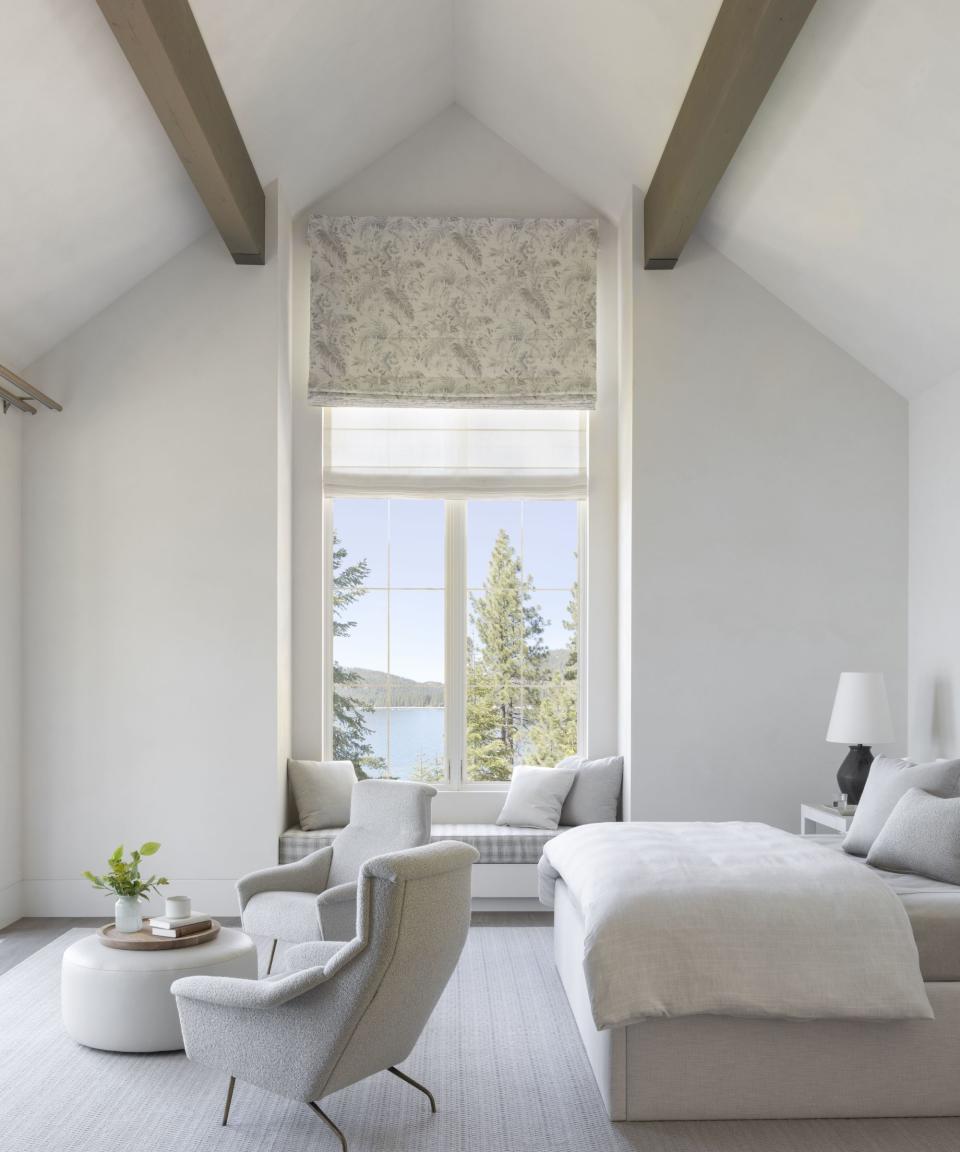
(455, 609)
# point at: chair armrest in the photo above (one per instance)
(307, 875)
(317, 953)
(337, 912)
(340, 894)
(232, 992)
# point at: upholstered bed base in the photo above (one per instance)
(726, 1068)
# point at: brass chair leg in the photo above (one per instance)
(226, 1107)
(414, 1084)
(329, 1123)
(273, 951)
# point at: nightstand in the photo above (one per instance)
(824, 816)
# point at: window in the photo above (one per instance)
(454, 635)
(453, 585)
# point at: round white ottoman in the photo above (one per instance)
(120, 1000)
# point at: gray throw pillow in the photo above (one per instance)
(595, 795)
(922, 836)
(321, 792)
(536, 796)
(890, 779)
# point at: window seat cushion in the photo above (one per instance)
(497, 844)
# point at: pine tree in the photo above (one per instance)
(572, 625)
(506, 664)
(351, 733)
(427, 770)
(554, 735)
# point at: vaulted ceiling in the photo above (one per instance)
(840, 201)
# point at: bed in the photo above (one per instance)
(713, 1066)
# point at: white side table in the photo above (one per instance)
(824, 816)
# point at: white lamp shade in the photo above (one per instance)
(861, 713)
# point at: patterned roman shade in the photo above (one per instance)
(452, 312)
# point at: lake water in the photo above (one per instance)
(416, 736)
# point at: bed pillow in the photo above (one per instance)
(922, 836)
(536, 797)
(595, 794)
(890, 779)
(321, 792)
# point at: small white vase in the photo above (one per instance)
(127, 913)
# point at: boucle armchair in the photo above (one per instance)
(316, 898)
(341, 1012)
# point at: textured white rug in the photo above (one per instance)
(501, 1055)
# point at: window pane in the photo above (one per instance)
(360, 529)
(485, 520)
(551, 715)
(416, 543)
(388, 643)
(550, 538)
(558, 613)
(360, 630)
(522, 659)
(359, 656)
(494, 729)
(416, 646)
(416, 743)
(416, 715)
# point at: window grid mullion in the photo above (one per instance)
(326, 591)
(389, 684)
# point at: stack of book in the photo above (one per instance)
(185, 926)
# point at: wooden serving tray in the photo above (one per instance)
(145, 941)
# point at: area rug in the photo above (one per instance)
(501, 1054)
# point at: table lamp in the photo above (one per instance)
(861, 717)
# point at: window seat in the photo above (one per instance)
(496, 843)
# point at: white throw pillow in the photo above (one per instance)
(890, 779)
(536, 797)
(322, 791)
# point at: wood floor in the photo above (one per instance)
(23, 938)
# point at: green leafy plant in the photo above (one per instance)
(124, 877)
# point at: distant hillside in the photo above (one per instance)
(404, 693)
(371, 689)
(557, 659)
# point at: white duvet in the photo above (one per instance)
(733, 919)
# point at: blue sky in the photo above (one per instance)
(402, 541)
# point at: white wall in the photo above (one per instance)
(156, 622)
(934, 553)
(456, 166)
(11, 426)
(769, 495)
(629, 271)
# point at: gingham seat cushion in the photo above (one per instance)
(497, 844)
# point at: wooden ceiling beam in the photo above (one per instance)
(747, 45)
(8, 398)
(18, 382)
(162, 42)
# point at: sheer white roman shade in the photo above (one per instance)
(458, 454)
(452, 312)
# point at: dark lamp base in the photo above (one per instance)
(854, 771)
